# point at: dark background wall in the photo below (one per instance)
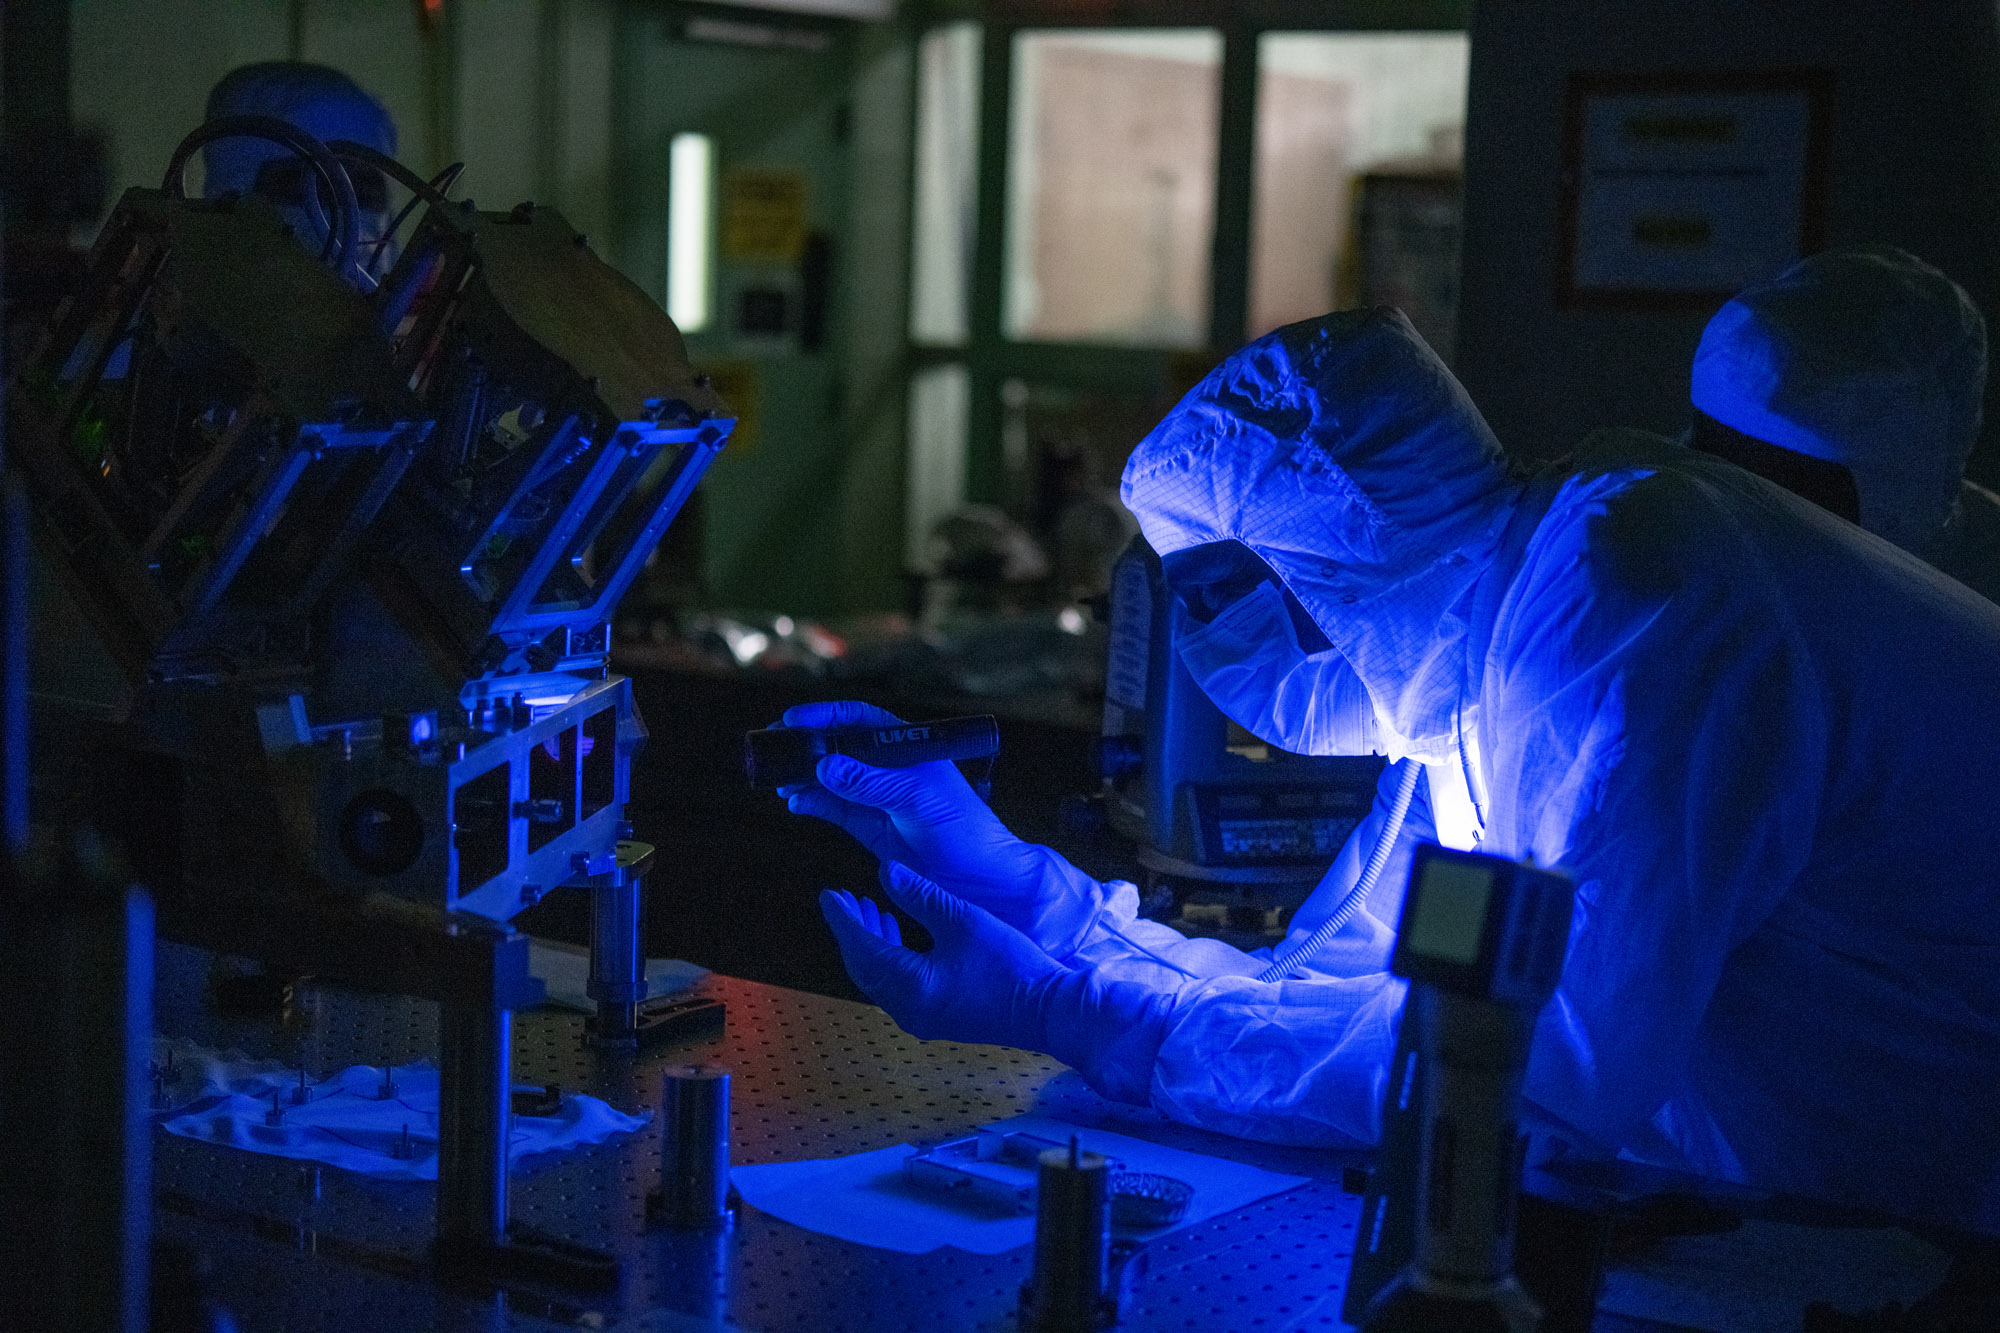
(1915, 162)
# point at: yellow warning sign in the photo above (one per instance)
(736, 383)
(763, 215)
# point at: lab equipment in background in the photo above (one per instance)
(355, 547)
(1233, 827)
(726, 643)
(994, 614)
(1481, 939)
(789, 756)
(981, 562)
(694, 1149)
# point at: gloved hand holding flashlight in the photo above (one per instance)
(929, 818)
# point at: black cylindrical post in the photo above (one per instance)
(475, 1118)
(1072, 1243)
(695, 1269)
(617, 970)
(694, 1147)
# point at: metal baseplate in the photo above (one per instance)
(661, 1022)
(529, 1255)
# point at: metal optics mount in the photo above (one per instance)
(355, 554)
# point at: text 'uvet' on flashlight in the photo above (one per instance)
(788, 756)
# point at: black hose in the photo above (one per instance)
(439, 192)
(389, 166)
(341, 239)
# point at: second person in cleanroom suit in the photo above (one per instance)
(326, 104)
(1856, 378)
(1759, 739)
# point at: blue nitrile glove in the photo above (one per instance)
(983, 981)
(929, 818)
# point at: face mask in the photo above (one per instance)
(1248, 660)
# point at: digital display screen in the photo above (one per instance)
(1260, 839)
(1451, 911)
(1281, 824)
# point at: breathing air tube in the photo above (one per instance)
(1392, 828)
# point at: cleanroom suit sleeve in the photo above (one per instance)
(1656, 730)
(1122, 944)
(1299, 1062)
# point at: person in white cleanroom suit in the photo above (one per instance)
(1856, 378)
(1760, 740)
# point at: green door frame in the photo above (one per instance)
(990, 356)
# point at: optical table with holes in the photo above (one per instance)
(290, 1246)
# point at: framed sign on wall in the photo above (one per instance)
(1679, 188)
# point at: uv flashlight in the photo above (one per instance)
(787, 756)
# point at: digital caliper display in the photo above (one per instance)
(1261, 826)
(1451, 911)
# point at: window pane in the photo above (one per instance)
(947, 182)
(1111, 185)
(1350, 123)
(940, 397)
